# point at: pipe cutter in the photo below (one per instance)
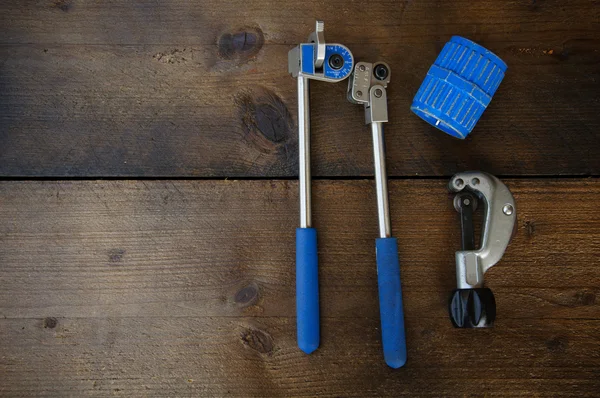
(471, 305)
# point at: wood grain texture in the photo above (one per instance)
(186, 288)
(180, 88)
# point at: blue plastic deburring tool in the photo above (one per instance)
(307, 289)
(458, 87)
(390, 302)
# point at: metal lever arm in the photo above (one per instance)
(388, 265)
(307, 269)
(368, 87)
(383, 206)
(330, 63)
(304, 151)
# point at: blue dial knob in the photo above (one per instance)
(458, 87)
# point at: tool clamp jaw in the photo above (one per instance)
(471, 304)
(367, 86)
(319, 61)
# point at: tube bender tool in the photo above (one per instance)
(330, 63)
(333, 63)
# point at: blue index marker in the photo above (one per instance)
(308, 59)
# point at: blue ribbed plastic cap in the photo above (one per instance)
(458, 87)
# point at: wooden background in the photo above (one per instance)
(148, 200)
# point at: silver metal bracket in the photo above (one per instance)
(368, 87)
(500, 215)
(320, 61)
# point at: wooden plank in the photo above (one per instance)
(169, 89)
(135, 288)
(246, 357)
(202, 22)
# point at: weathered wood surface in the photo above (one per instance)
(181, 88)
(186, 288)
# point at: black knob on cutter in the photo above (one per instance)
(472, 308)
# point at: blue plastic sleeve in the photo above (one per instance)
(458, 87)
(390, 302)
(307, 289)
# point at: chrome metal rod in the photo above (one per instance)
(304, 151)
(383, 207)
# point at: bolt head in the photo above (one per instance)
(381, 72)
(378, 93)
(336, 62)
(508, 209)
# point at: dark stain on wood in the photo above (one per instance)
(266, 121)
(427, 333)
(50, 322)
(529, 228)
(258, 340)
(578, 50)
(241, 45)
(557, 344)
(248, 295)
(115, 256)
(585, 298)
(533, 5)
(63, 5)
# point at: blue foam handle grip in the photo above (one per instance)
(307, 289)
(390, 302)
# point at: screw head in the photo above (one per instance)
(359, 93)
(378, 93)
(361, 68)
(381, 72)
(459, 182)
(336, 62)
(508, 209)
